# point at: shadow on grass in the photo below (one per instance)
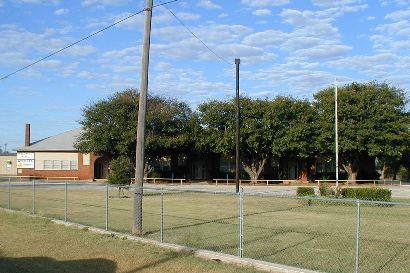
(50, 265)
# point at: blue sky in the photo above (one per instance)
(287, 47)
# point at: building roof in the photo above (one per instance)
(63, 142)
(7, 154)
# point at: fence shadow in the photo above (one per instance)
(50, 265)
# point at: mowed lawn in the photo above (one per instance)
(320, 236)
(36, 245)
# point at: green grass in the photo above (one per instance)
(280, 230)
(36, 245)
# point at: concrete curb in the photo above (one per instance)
(205, 254)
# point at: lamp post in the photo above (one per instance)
(237, 62)
(336, 139)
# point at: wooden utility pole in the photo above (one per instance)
(237, 167)
(142, 110)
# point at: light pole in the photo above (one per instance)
(237, 62)
(336, 139)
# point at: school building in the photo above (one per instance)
(55, 157)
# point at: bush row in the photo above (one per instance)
(373, 194)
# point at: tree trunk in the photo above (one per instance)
(254, 169)
(352, 169)
(147, 169)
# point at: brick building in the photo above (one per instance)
(56, 157)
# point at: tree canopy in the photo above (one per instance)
(269, 128)
(110, 126)
(372, 122)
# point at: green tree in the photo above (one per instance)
(283, 126)
(217, 120)
(121, 172)
(293, 132)
(110, 126)
(372, 123)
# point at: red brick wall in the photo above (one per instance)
(83, 172)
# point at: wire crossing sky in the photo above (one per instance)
(287, 47)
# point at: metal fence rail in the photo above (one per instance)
(321, 234)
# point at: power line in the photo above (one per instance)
(193, 34)
(81, 40)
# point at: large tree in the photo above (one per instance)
(269, 128)
(217, 120)
(292, 123)
(372, 123)
(110, 126)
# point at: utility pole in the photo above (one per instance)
(336, 139)
(142, 110)
(237, 62)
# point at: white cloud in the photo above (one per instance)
(208, 4)
(323, 51)
(267, 38)
(187, 16)
(398, 15)
(102, 3)
(394, 2)
(55, 2)
(61, 11)
(265, 3)
(261, 12)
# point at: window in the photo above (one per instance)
(73, 165)
(47, 165)
(65, 165)
(56, 165)
(60, 165)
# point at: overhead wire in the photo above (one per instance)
(81, 40)
(193, 34)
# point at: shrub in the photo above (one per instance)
(373, 194)
(326, 190)
(121, 171)
(304, 191)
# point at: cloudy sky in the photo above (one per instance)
(287, 47)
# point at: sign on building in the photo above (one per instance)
(25, 160)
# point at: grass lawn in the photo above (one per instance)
(36, 245)
(280, 230)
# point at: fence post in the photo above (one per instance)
(34, 197)
(9, 201)
(106, 206)
(240, 250)
(65, 201)
(162, 215)
(357, 237)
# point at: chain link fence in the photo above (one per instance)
(320, 234)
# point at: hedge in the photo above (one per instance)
(304, 191)
(373, 194)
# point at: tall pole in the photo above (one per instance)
(237, 62)
(336, 139)
(142, 110)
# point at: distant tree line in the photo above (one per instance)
(373, 123)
